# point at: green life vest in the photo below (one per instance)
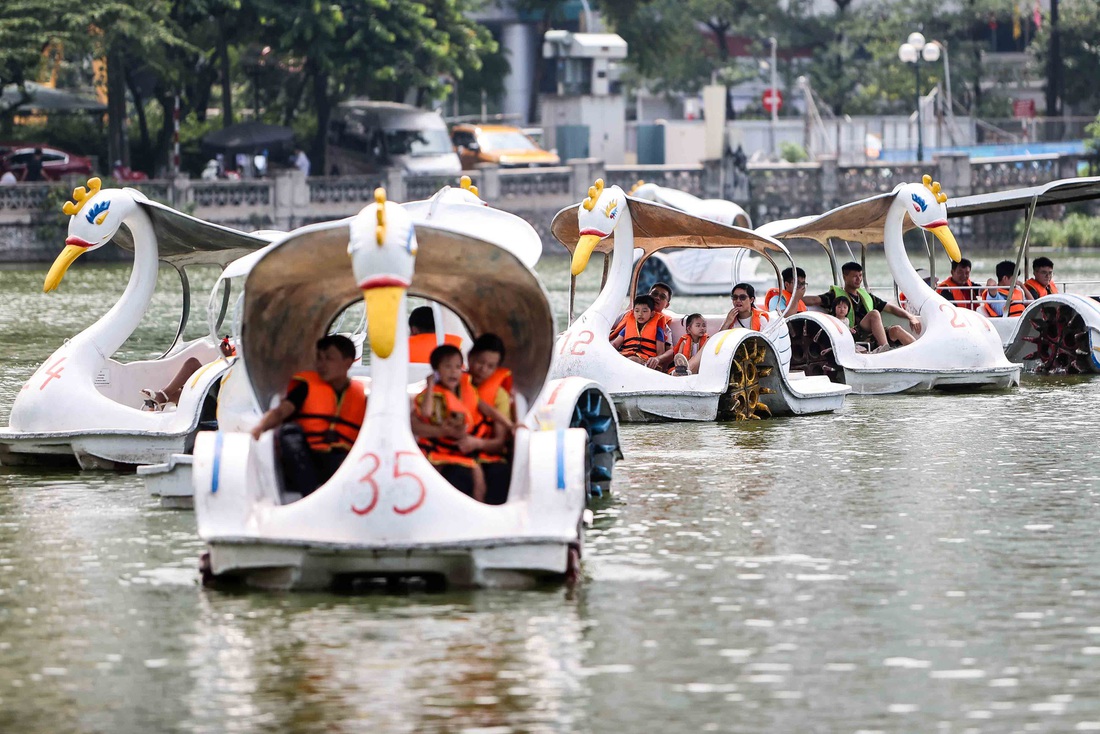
(868, 304)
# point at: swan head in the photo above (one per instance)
(597, 217)
(382, 246)
(927, 207)
(94, 218)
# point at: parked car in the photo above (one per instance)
(56, 163)
(367, 136)
(503, 145)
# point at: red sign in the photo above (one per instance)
(1023, 108)
(772, 98)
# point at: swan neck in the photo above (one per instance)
(609, 302)
(915, 289)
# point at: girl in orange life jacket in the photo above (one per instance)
(496, 407)
(444, 416)
(690, 344)
(642, 339)
(744, 312)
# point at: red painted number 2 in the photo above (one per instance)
(369, 479)
(580, 341)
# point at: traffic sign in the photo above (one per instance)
(772, 97)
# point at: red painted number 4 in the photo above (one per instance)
(580, 341)
(369, 479)
(957, 318)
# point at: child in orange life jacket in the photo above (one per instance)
(642, 339)
(689, 345)
(493, 385)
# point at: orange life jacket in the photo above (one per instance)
(758, 318)
(440, 450)
(665, 322)
(1037, 290)
(499, 380)
(683, 346)
(639, 343)
(960, 295)
(330, 423)
(487, 392)
(1015, 309)
(421, 345)
(773, 292)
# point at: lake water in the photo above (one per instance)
(909, 564)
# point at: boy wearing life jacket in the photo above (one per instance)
(661, 293)
(642, 339)
(327, 407)
(957, 288)
(1042, 274)
(994, 299)
(493, 385)
(685, 354)
(778, 300)
(422, 336)
(867, 309)
(445, 419)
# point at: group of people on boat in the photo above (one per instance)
(463, 420)
(991, 300)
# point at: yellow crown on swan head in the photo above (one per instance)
(380, 200)
(468, 184)
(637, 185)
(934, 187)
(594, 192)
(81, 196)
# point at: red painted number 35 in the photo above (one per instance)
(370, 481)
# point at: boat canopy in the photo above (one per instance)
(657, 227)
(184, 240)
(302, 284)
(1063, 191)
(862, 221)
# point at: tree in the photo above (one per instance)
(1079, 32)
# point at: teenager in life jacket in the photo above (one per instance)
(866, 313)
(422, 336)
(1041, 281)
(995, 298)
(642, 339)
(319, 417)
(778, 300)
(493, 384)
(689, 347)
(446, 423)
(958, 288)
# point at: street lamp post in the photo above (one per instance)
(912, 52)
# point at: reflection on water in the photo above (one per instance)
(912, 563)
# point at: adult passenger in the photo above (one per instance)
(422, 336)
(958, 288)
(994, 299)
(867, 309)
(744, 313)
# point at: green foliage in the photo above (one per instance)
(1079, 29)
(1092, 143)
(792, 152)
(1073, 232)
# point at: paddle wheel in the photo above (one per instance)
(742, 400)
(1061, 340)
(597, 417)
(812, 350)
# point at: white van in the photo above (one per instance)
(366, 136)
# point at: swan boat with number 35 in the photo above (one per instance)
(957, 349)
(742, 374)
(82, 403)
(387, 512)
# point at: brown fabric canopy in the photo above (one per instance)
(296, 290)
(861, 221)
(1064, 191)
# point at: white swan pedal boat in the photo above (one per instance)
(387, 512)
(957, 349)
(743, 374)
(697, 272)
(1057, 334)
(81, 403)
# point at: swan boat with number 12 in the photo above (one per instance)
(957, 349)
(387, 512)
(84, 405)
(742, 374)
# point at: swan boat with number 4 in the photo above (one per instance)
(387, 512)
(957, 349)
(742, 374)
(1059, 333)
(83, 405)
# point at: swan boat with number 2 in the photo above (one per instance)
(957, 349)
(743, 374)
(387, 512)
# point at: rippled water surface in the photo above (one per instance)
(910, 564)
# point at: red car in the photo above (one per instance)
(56, 164)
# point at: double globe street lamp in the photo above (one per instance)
(912, 52)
